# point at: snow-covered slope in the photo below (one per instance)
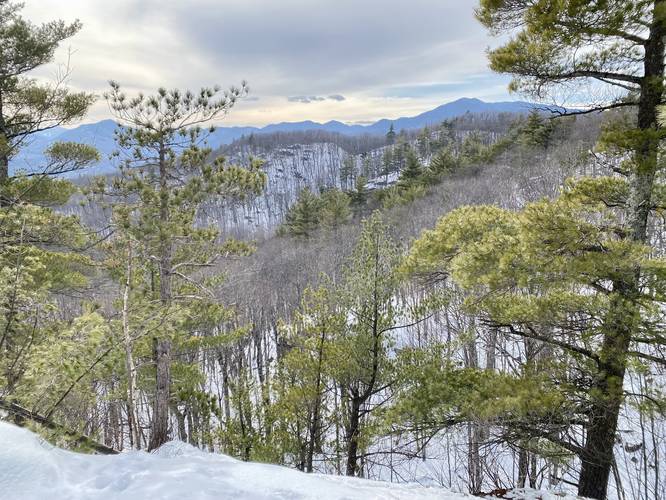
(32, 469)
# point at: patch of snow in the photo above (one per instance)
(33, 469)
(383, 181)
(530, 494)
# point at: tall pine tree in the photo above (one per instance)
(167, 176)
(600, 268)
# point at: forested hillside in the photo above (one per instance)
(475, 305)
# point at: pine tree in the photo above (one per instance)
(543, 54)
(366, 167)
(359, 196)
(360, 356)
(423, 142)
(40, 248)
(304, 402)
(390, 136)
(530, 274)
(537, 131)
(445, 135)
(413, 170)
(348, 171)
(473, 150)
(166, 176)
(400, 150)
(388, 162)
(27, 106)
(335, 208)
(304, 216)
(443, 163)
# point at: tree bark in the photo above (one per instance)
(597, 456)
(475, 471)
(132, 420)
(475, 431)
(315, 421)
(522, 468)
(352, 435)
(4, 149)
(180, 418)
(160, 424)
(160, 427)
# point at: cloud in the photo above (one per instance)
(472, 83)
(371, 58)
(290, 48)
(304, 99)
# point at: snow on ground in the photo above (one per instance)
(33, 469)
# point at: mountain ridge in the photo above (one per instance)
(100, 134)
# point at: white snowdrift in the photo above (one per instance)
(33, 469)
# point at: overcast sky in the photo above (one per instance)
(351, 60)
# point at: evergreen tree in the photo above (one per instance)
(599, 269)
(27, 106)
(388, 163)
(366, 167)
(359, 196)
(304, 406)
(423, 143)
(40, 248)
(304, 216)
(400, 152)
(166, 176)
(537, 131)
(545, 274)
(348, 171)
(473, 150)
(442, 164)
(36, 261)
(413, 170)
(335, 208)
(445, 135)
(362, 365)
(390, 136)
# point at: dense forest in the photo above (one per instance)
(478, 305)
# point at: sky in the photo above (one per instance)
(356, 61)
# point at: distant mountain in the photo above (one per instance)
(448, 111)
(100, 134)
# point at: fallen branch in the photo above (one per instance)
(21, 414)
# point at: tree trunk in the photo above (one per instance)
(132, 420)
(474, 457)
(475, 431)
(522, 468)
(597, 456)
(193, 425)
(4, 174)
(315, 424)
(160, 427)
(223, 360)
(352, 436)
(4, 150)
(264, 384)
(160, 424)
(180, 418)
